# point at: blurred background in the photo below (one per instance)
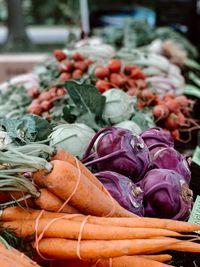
(37, 27)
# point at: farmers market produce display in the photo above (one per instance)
(91, 173)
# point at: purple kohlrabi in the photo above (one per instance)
(156, 136)
(118, 150)
(169, 158)
(121, 188)
(166, 195)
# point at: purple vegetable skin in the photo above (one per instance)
(169, 158)
(119, 150)
(166, 195)
(156, 136)
(121, 188)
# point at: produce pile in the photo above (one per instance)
(90, 172)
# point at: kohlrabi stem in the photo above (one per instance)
(111, 155)
(34, 147)
(89, 148)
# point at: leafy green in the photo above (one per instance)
(194, 78)
(86, 98)
(143, 119)
(29, 128)
(196, 156)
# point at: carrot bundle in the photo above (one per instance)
(68, 183)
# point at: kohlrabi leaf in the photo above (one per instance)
(86, 97)
(196, 156)
(143, 119)
(89, 120)
(28, 129)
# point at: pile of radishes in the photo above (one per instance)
(116, 74)
(43, 101)
(71, 67)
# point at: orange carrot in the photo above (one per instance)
(158, 257)
(16, 196)
(17, 256)
(68, 183)
(17, 213)
(59, 248)
(62, 228)
(130, 261)
(48, 201)
(66, 156)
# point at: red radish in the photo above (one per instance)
(35, 109)
(173, 105)
(66, 66)
(101, 72)
(168, 96)
(45, 96)
(60, 91)
(141, 104)
(46, 105)
(59, 55)
(114, 65)
(80, 65)
(160, 112)
(102, 86)
(33, 92)
(147, 95)
(136, 73)
(171, 122)
(52, 91)
(181, 119)
(128, 68)
(65, 76)
(35, 101)
(184, 101)
(88, 62)
(117, 80)
(77, 56)
(77, 74)
(175, 134)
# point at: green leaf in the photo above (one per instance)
(143, 119)
(194, 78)
(193, 64)
(89, 120)
(196, 156)
(86, 97)
(192, 90)
(67, 115)
(28, 129)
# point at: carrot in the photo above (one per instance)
(59, 248)
(130, 261)
(124, 261)
(66, 156)
(84, 195)
(8, 262)
(48, 201)
(62, 228)
(101, 72)
(114, 65)
(17, 256)
(158, 257)
(17, 213)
